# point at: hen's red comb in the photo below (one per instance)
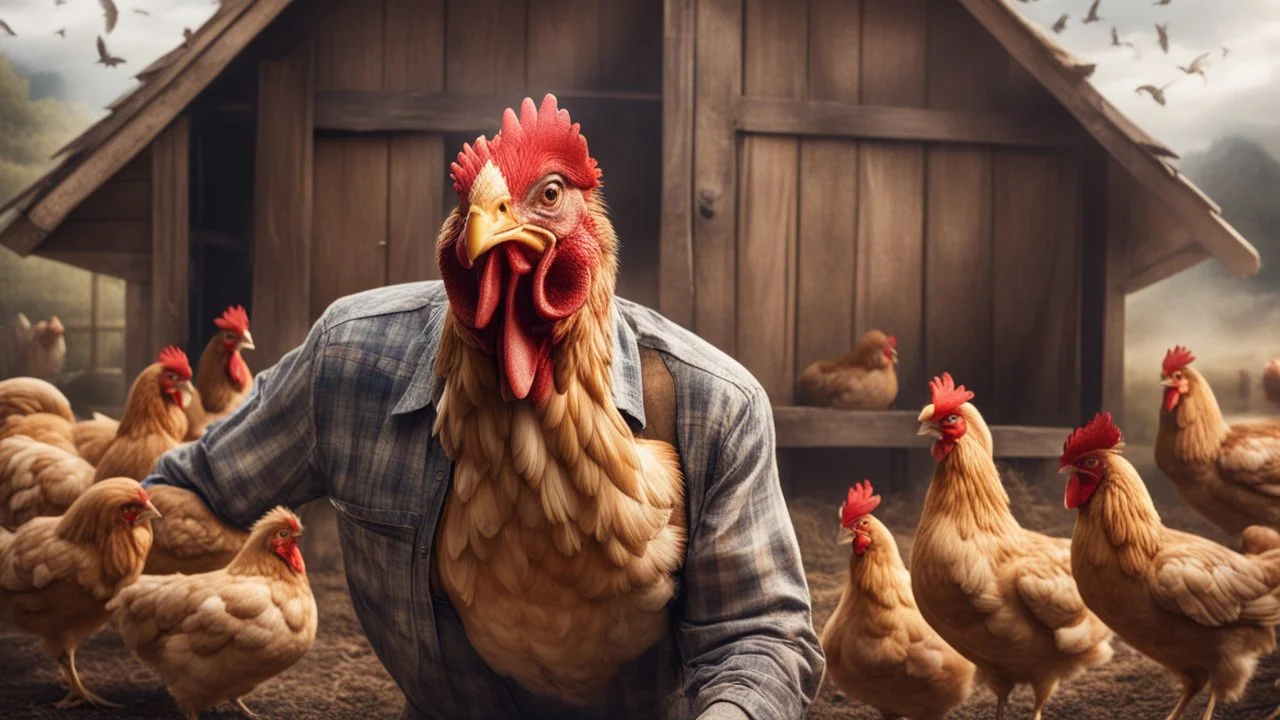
(946, 397)
(1100, 433)
(540, 141)
(143, 497)
(1176, 359)
(293, 522)
(234, 318)
(174, 360)
(893, 342)
(859, 502)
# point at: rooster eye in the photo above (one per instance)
(282, 534)
(1091, 462)
(951, 419)
(551, 194)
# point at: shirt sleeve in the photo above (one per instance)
(263, 453)
(746, 633)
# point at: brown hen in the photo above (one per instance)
(38, 480)
(28, 395)
(154, 420)
(223, 379)
(864, 379)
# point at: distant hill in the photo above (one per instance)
(1242, 177)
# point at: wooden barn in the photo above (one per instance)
(783, 177)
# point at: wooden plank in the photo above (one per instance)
(1127, 143)
(959, 292)
(129, 236)
(349, 226)
(805, 427)
(439, 112)
(675, 259)
(894, 51)
(170, 232)
(117, 200)
(486, 50)
(846, 120)
(1181, 260)
(768, 205)
(138, 351)
(130, 266)
(1113, 289)
(555, 63)
(1036, 268)
(415, 61)
(718, 52)
(282, 205)
(187, 80)
(967, 67)
(632, 44)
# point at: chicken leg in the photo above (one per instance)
(78, 694)
(1190, 689)
(247, 712)
(1043, 693)
(1208, 710)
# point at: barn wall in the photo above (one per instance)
(969, 254)
(379, 198)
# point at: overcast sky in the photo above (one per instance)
(1243, 92)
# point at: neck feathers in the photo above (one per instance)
(966, 487)
(147, 412)
(222, 375)
(1122, 511)
(879, 576)
(121, 548)
(1198, 424)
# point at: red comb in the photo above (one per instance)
(174, 360)
(234, 318)
(293, 522)
(143, 497)
(1100, 433)
(1176, 359)
(893, 342)
(859, 502)
(541, 140)
(947, 398)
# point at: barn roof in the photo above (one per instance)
(169, 84)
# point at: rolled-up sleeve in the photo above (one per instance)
(747, 629)
(263, 453)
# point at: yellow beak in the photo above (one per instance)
(1069, 470)
(148, 511)
(491, 225)
(246, 341)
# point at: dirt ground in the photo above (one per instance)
(341, 677)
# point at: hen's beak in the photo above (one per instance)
(492, 224)
(1168, 382)
(246, 341)
(148, 511)
(1069, 470)
(845, 537)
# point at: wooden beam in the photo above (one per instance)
(117, 200)
(21, 235)
(1094, 279)
(129, 266)
(282, 204)
(1126, 143)
(170, 232)
(1184, 259)
(820, 118)
(138, 351)
(120, 236)
(153, 111)
(675, 251)
(437, 112)
(807, 427)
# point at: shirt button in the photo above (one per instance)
(439, 474)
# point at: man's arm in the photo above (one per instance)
(263, 453)
(747, 630)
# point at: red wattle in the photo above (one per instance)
(520, 350)
(562, 280)
(1171, 396)
(489, 291)
(1072, 499)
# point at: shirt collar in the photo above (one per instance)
(425, 387)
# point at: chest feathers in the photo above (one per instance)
(562, 532)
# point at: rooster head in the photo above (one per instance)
(113, 505)
(1084, 457)
(943, 419)
(528, 245)
(175, 376)
(278, 531)
(856, 524)
(1176, 375)
(233, 327)
(48, 332)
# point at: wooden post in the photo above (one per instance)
(170, 232)
(1102, 293)
(282, 204)
(138, 352)
(675, 249)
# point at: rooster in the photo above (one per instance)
(1229, 474)
(1202, 610)
(223, 379)
(93, 436)
(38, 350)
(864, 379)
(216, 636)
(57, 573)
(38, 480)
(1001, 595)
(28, 395)
(562, 532)
(1271, 380)
(154, 419)
(879, 649)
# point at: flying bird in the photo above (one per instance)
(1162, 2)
(1197, 67)
(1117, 42)
(1092, 17)
(1225, 52)
(59, 2)
(1163, 32)
(1061, 25)
(140, 11)
(106, 58)
(4, 26)
(1156, 93)
(110, 14)
(61, 32)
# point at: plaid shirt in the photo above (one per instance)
(348, 415)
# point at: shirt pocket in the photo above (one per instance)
(378, 553)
